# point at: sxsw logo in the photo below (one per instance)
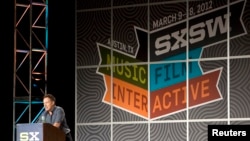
(155, 90)
(28, 136)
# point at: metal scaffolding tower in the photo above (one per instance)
(30, 60)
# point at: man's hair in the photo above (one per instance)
(50, 96)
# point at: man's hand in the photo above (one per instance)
(57, 124)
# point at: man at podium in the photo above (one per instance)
(54, 115)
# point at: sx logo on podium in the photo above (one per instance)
(29, 136)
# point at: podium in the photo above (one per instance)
(38, 132)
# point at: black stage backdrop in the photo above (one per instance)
(61, 56)
(6, 67)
